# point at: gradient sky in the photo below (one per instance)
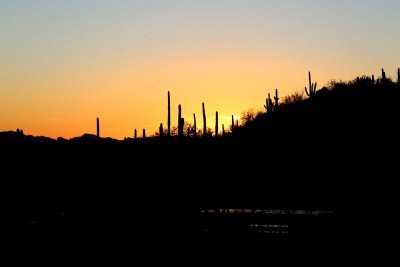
(65, 62)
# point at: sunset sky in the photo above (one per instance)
(65, 62)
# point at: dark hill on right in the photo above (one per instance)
(360, 112)
(340, 143)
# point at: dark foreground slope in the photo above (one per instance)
(323, 168)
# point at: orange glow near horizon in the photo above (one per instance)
(126, 97)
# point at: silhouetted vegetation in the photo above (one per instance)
(181, 122)
(276, 98)
(161, 131)
(204, 120)
(312, 87)
(98, 127)
(216, 124)
(249, 115)
(169, 115)
(194, 125)
(268, 105)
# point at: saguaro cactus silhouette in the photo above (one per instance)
(194, 125)
(169, 116)
(233, 123)
(383, 75)
(373, 79)
(179, 115)
(181, 121)
(98, 127)
(144, 133)
(313, 87)
(276, 97)
(216, 124)
(135, 135)
(161, 134)
(398, 76)
(268, 105)
(223, 130)
(204, 121)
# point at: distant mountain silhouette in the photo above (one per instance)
(92, 139)
(11, 137)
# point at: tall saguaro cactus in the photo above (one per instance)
(233, 124)
(313, 86)
(268, 104)
(161, 134)
(144, 133)
(181, 121)
(276, 97)
(216, 124)
(383, 75)
(194, 125)
(98, 127)
(169, 115)
(204, 121)
(398, 76)
(179, 112)
(135, 134)
(223, 130)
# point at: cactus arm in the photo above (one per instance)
(306, 91)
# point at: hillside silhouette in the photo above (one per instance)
(333, 151)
